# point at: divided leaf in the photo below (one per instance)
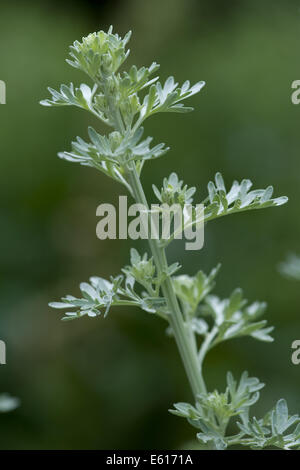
(173, 191)
(99, 295)
(213, 411)
(272, 430)
(168, 97)
(192, 290)
(137, 79)
(99, 54)
(111, 154)
(233, 318)
(238, 199)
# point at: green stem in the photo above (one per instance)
(206, 344)
(187, 352)
(186, 349)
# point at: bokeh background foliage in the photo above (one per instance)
(108, 383)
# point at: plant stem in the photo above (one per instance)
(188, 356)
(187, 351)
(206, 344)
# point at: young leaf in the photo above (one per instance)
(234, 318)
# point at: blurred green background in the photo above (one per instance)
(96, 383)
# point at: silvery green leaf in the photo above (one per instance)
(272, 431)
(245, 394)
(235, 303)
(263, 334)
(82, 97)
(99, 53)
(110, 154)
(141, 269)
(185, 410)
(279, 417)
(212, 440)
(173, 268)
(191, 290)
(59, 305)
(238, 198)
(138, 79)
(167, 97)
(99, 294)
(234, 318)
(174, 192)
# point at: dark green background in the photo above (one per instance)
(98, 383)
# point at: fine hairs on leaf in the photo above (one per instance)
(196, 318)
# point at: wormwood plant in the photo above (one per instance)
(198, 320)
